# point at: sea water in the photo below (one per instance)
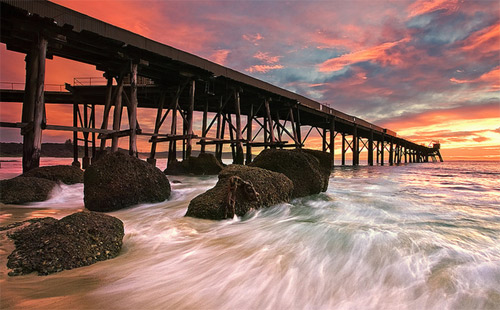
(416, 236)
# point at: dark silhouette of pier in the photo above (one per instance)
(237, 110)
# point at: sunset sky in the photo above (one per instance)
(425, 69)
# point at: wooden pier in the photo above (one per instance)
(237, 110)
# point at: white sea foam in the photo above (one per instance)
(379, 238)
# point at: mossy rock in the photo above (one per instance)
(59, 173)
(20, 190)
(272, 188)
(48, 245)
(117, 181)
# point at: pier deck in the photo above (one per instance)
(144, 73)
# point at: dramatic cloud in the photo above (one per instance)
(423, 68)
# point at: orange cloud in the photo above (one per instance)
(485, 40)
(433, 117)
(253, 38)
(265, 57)
(376, 53)
(147, 20)
(220, 56)
(427, 6)
(263, 68)
(492, 79)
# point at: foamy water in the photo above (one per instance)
(420, 236)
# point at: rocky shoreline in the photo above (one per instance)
(119, 181)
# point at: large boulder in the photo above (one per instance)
(240, 189)
(302, 168)
(48, 245)
(204, 164)
(325, 163)
(59, 173)
(117, 181)
(20, 190)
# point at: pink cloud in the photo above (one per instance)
(265, 57)
(377, 53)
(263, 68)
(491, 79)
(484, 41)
(220, 56)
(427, 6)
(253, 38)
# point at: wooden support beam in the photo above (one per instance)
(86, 158)
(239, 145)
(382, 144)
(117, 117)
(34, 104)
(190, 110)
(277, 125)
(249, 135)
(132, 108)
(107, 106)
(204, 126)
(94, 137)
(355, 146)
(324, 140)
(173, 138)
(172, 147)
(343, 149)
(159, 120)
(219, 133)
(378, 152)
(391, 152)
(332, 141)
(269, 120)
(295, 129)
(370, 149)
(75, 163)
(298, 128)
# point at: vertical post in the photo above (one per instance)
(133, 110)
(278, 131)
(204, 127)
(184, 133)
(332, 141)
(370, 148)
(223, 129)
(231, 136)
(172, 145)
(34, 104)
(265, 131)
(324, 140)
(107, 105)
(269, 120)
(355, 146)
(391, 153)
(378, 152)
(406, 153)
(298, 130)
(86, 159)
(343, 149)
(75, 163)
(239, 143)
(92, 119)
(190, 110)
(294, 128)
(117, 117)
(382, 149)
(218, 150)
(151, 159)
(249, 135)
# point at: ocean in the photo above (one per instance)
(415, 236)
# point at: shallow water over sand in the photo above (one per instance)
(420, 236)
